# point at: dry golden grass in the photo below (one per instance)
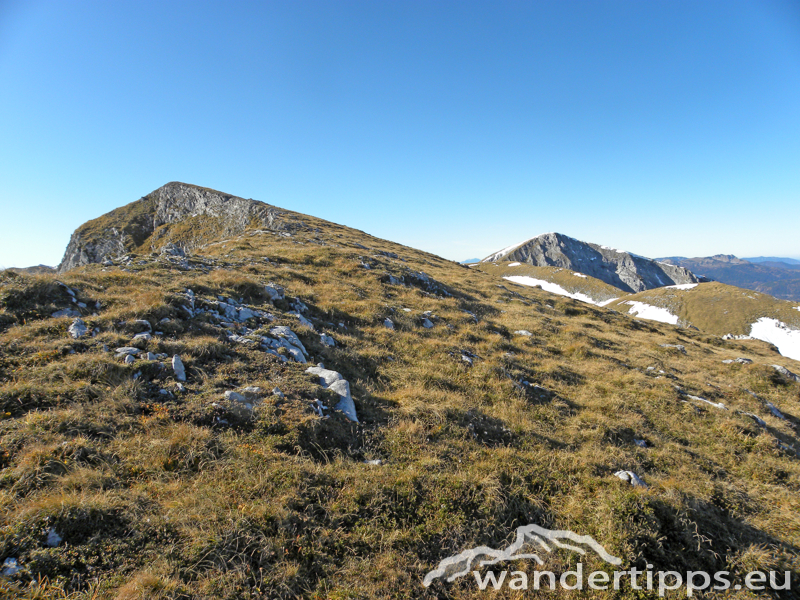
(178, 496)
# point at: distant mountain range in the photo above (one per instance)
(779, 277)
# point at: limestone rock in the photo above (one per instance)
(631, 478)
(78, 328)
(786, 372)
(333, 380)
(178, 368)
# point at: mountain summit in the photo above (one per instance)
(626, 271)
(177, 215)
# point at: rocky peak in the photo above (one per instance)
(182, 215)
(626, 271)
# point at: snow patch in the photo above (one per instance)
(781, 335)
(651, 313)
(579, 275)
(553, 288)
(682, 286)
(514, 264)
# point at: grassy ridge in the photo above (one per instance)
(716, 307)
(183, 496)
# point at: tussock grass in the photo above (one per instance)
(178, 495)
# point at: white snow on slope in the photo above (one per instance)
(682, 286)
(797, 307)
(775, 332)
(579, 275)
(497, 255)
(513, 264)
(553, 288)
(651, 313)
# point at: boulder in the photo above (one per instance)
(786, 372)
(631, 478)
(78, 328)
(334, 381)
(177, 366)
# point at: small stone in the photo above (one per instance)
(327, 340)
(127, 350)
(66, 312)
(388, 323)
(631, 478)
(53, 539)
(129, 359)
(466, 359)
(679, 347)
(180, 387)
(10, 567)
(640, 443)
(235, 396)
(277, 392)
(143, 323)
(150, 356)
(78, 328)
(177, 366)
(145, 337)
(426, 323)
(376, 462)
(275, 291)
(786, 372)
(524, 332)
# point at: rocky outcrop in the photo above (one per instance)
(626, 271)
(149, 224)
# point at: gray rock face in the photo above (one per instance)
(626, 271)
(129, 227)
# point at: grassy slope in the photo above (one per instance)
(594, 288)
(156, 497)
(716, 307)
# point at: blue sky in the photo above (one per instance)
(660, 127)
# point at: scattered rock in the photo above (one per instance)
(275, 291)
(144, 323)
(129, 359)
(180, 387)
(388, 323)
(524, 332)
(144, 337)
(66, 312)
(678, 347)
(755, 418)
(53, 539)
(277, 392)
(127, 350)
(467, 359)
(333, 380)
(177, 366)
(631, 478)
(640, 443)
(10, 567)
(235, 397)
(786, 372)
(78, 328)
(327, 340)
(376, 462)
(426, 323)
(774, 410)
(150, 356)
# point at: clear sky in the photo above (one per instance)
(660, 127)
